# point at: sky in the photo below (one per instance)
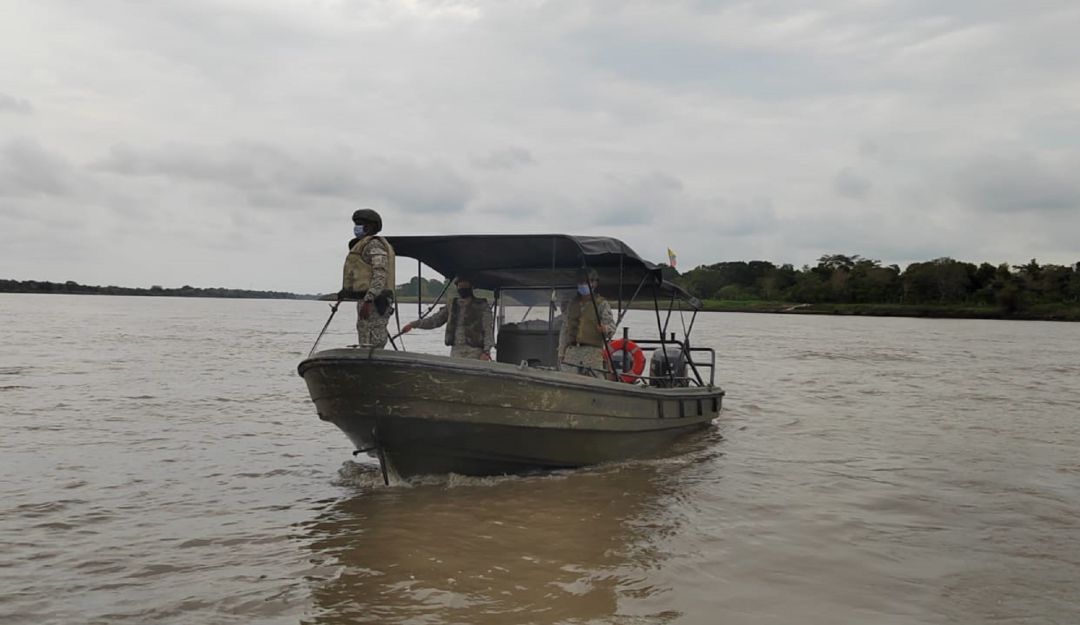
(226, 143)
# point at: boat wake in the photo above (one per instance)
(363, 475)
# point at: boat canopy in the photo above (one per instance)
(524, 261)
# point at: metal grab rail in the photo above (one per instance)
(688, 351)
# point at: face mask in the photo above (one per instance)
(358, 230)
(583, 289)
(464, 293)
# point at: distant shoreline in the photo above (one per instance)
(1045, 312)
(74, 288)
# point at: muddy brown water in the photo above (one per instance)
(161, 463)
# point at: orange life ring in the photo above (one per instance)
(636, 354)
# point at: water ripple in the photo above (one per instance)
(865, 471)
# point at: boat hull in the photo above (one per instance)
(432, 414)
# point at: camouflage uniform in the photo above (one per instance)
(582, 348)
(371, 332)
(458, 337)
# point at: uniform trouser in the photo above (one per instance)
(466, 351)
(371, 332)
(582, 358)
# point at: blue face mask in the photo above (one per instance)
(358, 230)
(583, 289)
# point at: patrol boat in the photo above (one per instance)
(431, 414)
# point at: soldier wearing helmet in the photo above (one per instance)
(587, 325)
(368, 278)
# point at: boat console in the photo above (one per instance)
(531, 341)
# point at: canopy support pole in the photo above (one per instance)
(620, 284)
(437, 300)
(494, 315)
(551, 316)
(397, 321)
(629, 303)
(663, 343)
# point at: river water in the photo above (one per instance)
(161, 463)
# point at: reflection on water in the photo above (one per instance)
(558, 548)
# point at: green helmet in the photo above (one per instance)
(367, 216)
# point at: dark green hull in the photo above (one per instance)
(433, 414)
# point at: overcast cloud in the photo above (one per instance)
(210, 143)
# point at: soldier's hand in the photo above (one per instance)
(406, 328)
(485, 356)
(365, 310)
(602, 328)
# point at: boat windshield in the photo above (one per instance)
(534, 309)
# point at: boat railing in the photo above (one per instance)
(709, 362)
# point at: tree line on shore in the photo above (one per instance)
(428, 288)
(840, 279)
(835, 279)
(72, 287)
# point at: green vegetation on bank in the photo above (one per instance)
(852, 285)
(1044, 312)
(430, 289)
(74, 288)
(837, 285)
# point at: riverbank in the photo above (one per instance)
(74, 288)
(1038, 312)
(1042, 312)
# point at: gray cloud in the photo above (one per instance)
(28, 169)
(850, 184)
(269, 175)
(636, 200)
(423, 188)
(240, 127)
(244, 165)
(12, 104)
(507, 158)
(744, 218)
(1018, 181)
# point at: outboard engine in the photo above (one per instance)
(667, 362)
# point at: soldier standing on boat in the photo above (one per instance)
(368, 279)
(586, 325)
(468, 320)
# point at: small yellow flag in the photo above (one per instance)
(671, 257)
